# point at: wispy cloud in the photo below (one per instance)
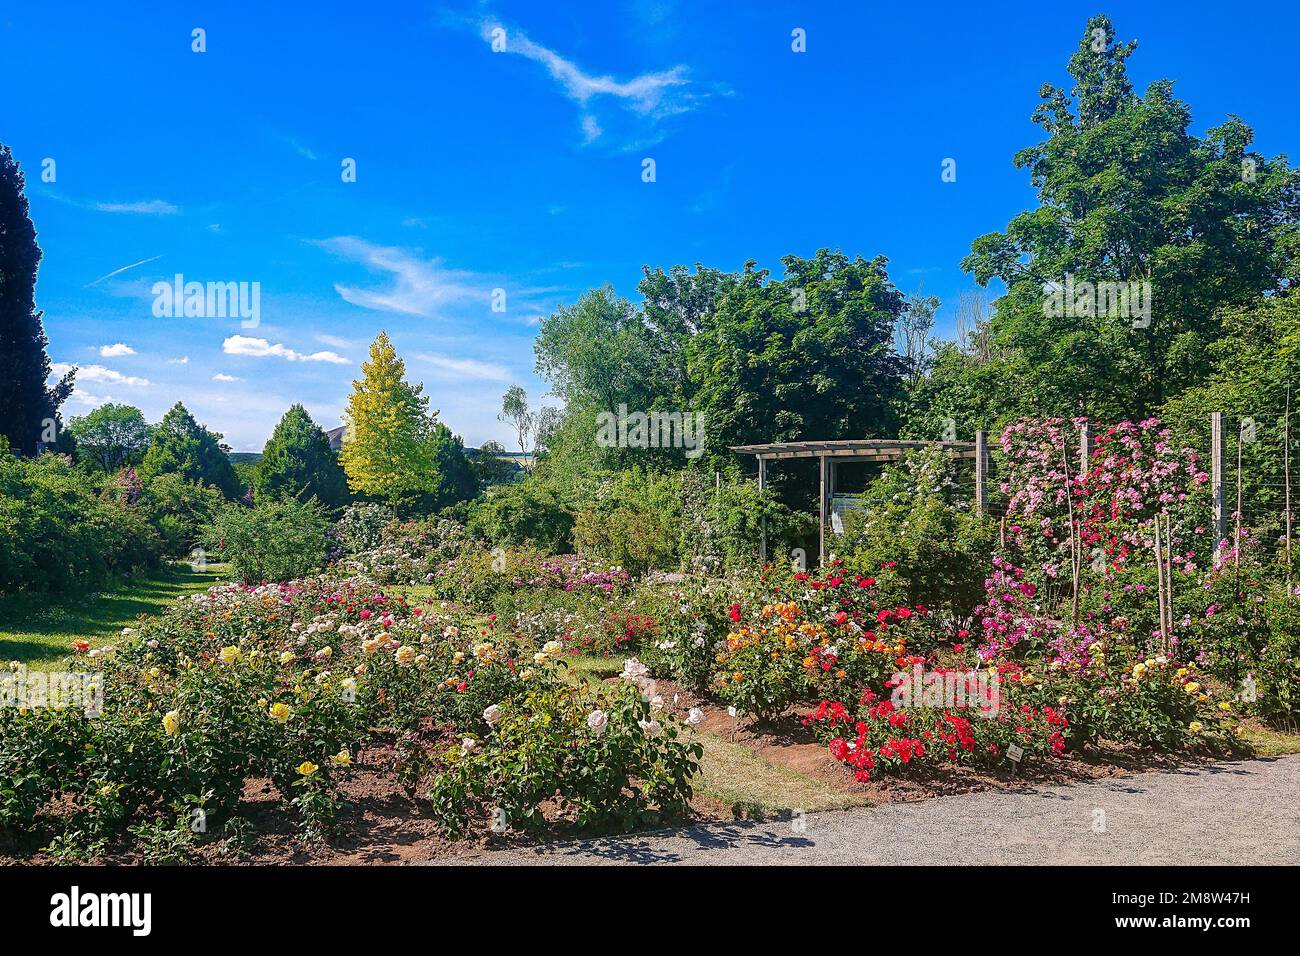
(465, 368)
(261, 348)
(148, 207)
(183, 360)
(116, 350)
(650, 97)
(223, 377)
(418, 287)
(98, 373)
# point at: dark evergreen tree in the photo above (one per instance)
(27, 406)
(182, 446)
(298, 461)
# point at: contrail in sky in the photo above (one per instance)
(123, 269)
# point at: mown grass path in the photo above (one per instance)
(39, 630)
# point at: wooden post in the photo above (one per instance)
(762, 532)
(1076, 543)
(981, 472)
(1286, 471)
(821, 513)
(1216, 480)
(1236, 542)
(1085, 449)
(1160, 582)
(1169, 574)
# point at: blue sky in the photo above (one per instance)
(521, 170)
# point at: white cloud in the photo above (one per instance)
(90, 401)
(223, 377)
(150, 207)
(652, 96)
(419, 287)
(466, 368)
(115, 350)
(183, 360)
(97, 373)
(261, 348)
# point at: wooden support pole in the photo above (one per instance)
(981, 472)
(1286, 471)
(762, 527)
(1216, 480)
(1236, 542)
(1160, 582)
(1085, 450)
(1169, 575)
(821, 513)
(1076, 544)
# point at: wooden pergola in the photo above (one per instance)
(830, 453)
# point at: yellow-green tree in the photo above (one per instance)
(388, 451)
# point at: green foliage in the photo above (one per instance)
(276, 540)
(62, 530)
(110, 437)
(181, 446)
(298, 461)
(527, 513)
(27, 406)
(630, 772)
(916, 516)
(179, 509)
(361, 526)
(634, 521)
(1128, 193)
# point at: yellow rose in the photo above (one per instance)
(229, 655)
(171, 722)
(1191, 687)
(1225, 707)
(342, 759)
(405, 654)
(1195, 727)
(1181, 672)
(286, 657)
(307, 768)
(279, 712)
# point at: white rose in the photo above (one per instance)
(492, 715)
(694, 717)
(597, 720)
(652, 728)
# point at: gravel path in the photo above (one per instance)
(1244, 812)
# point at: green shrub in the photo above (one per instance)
(62, 529)
(915, 519)
(526, 513)
(276, 540)
(361, 526)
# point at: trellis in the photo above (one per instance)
(831, 453)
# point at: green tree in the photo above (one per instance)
(298, 461)
(180, 445)
(110, 437)
(388, 451)
(457, 481)
(806, 357)
(28, 409)
(1128, 194)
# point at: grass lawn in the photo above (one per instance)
(39, 631)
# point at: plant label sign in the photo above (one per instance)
(1015, 753)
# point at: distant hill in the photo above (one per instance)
(240, 457)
